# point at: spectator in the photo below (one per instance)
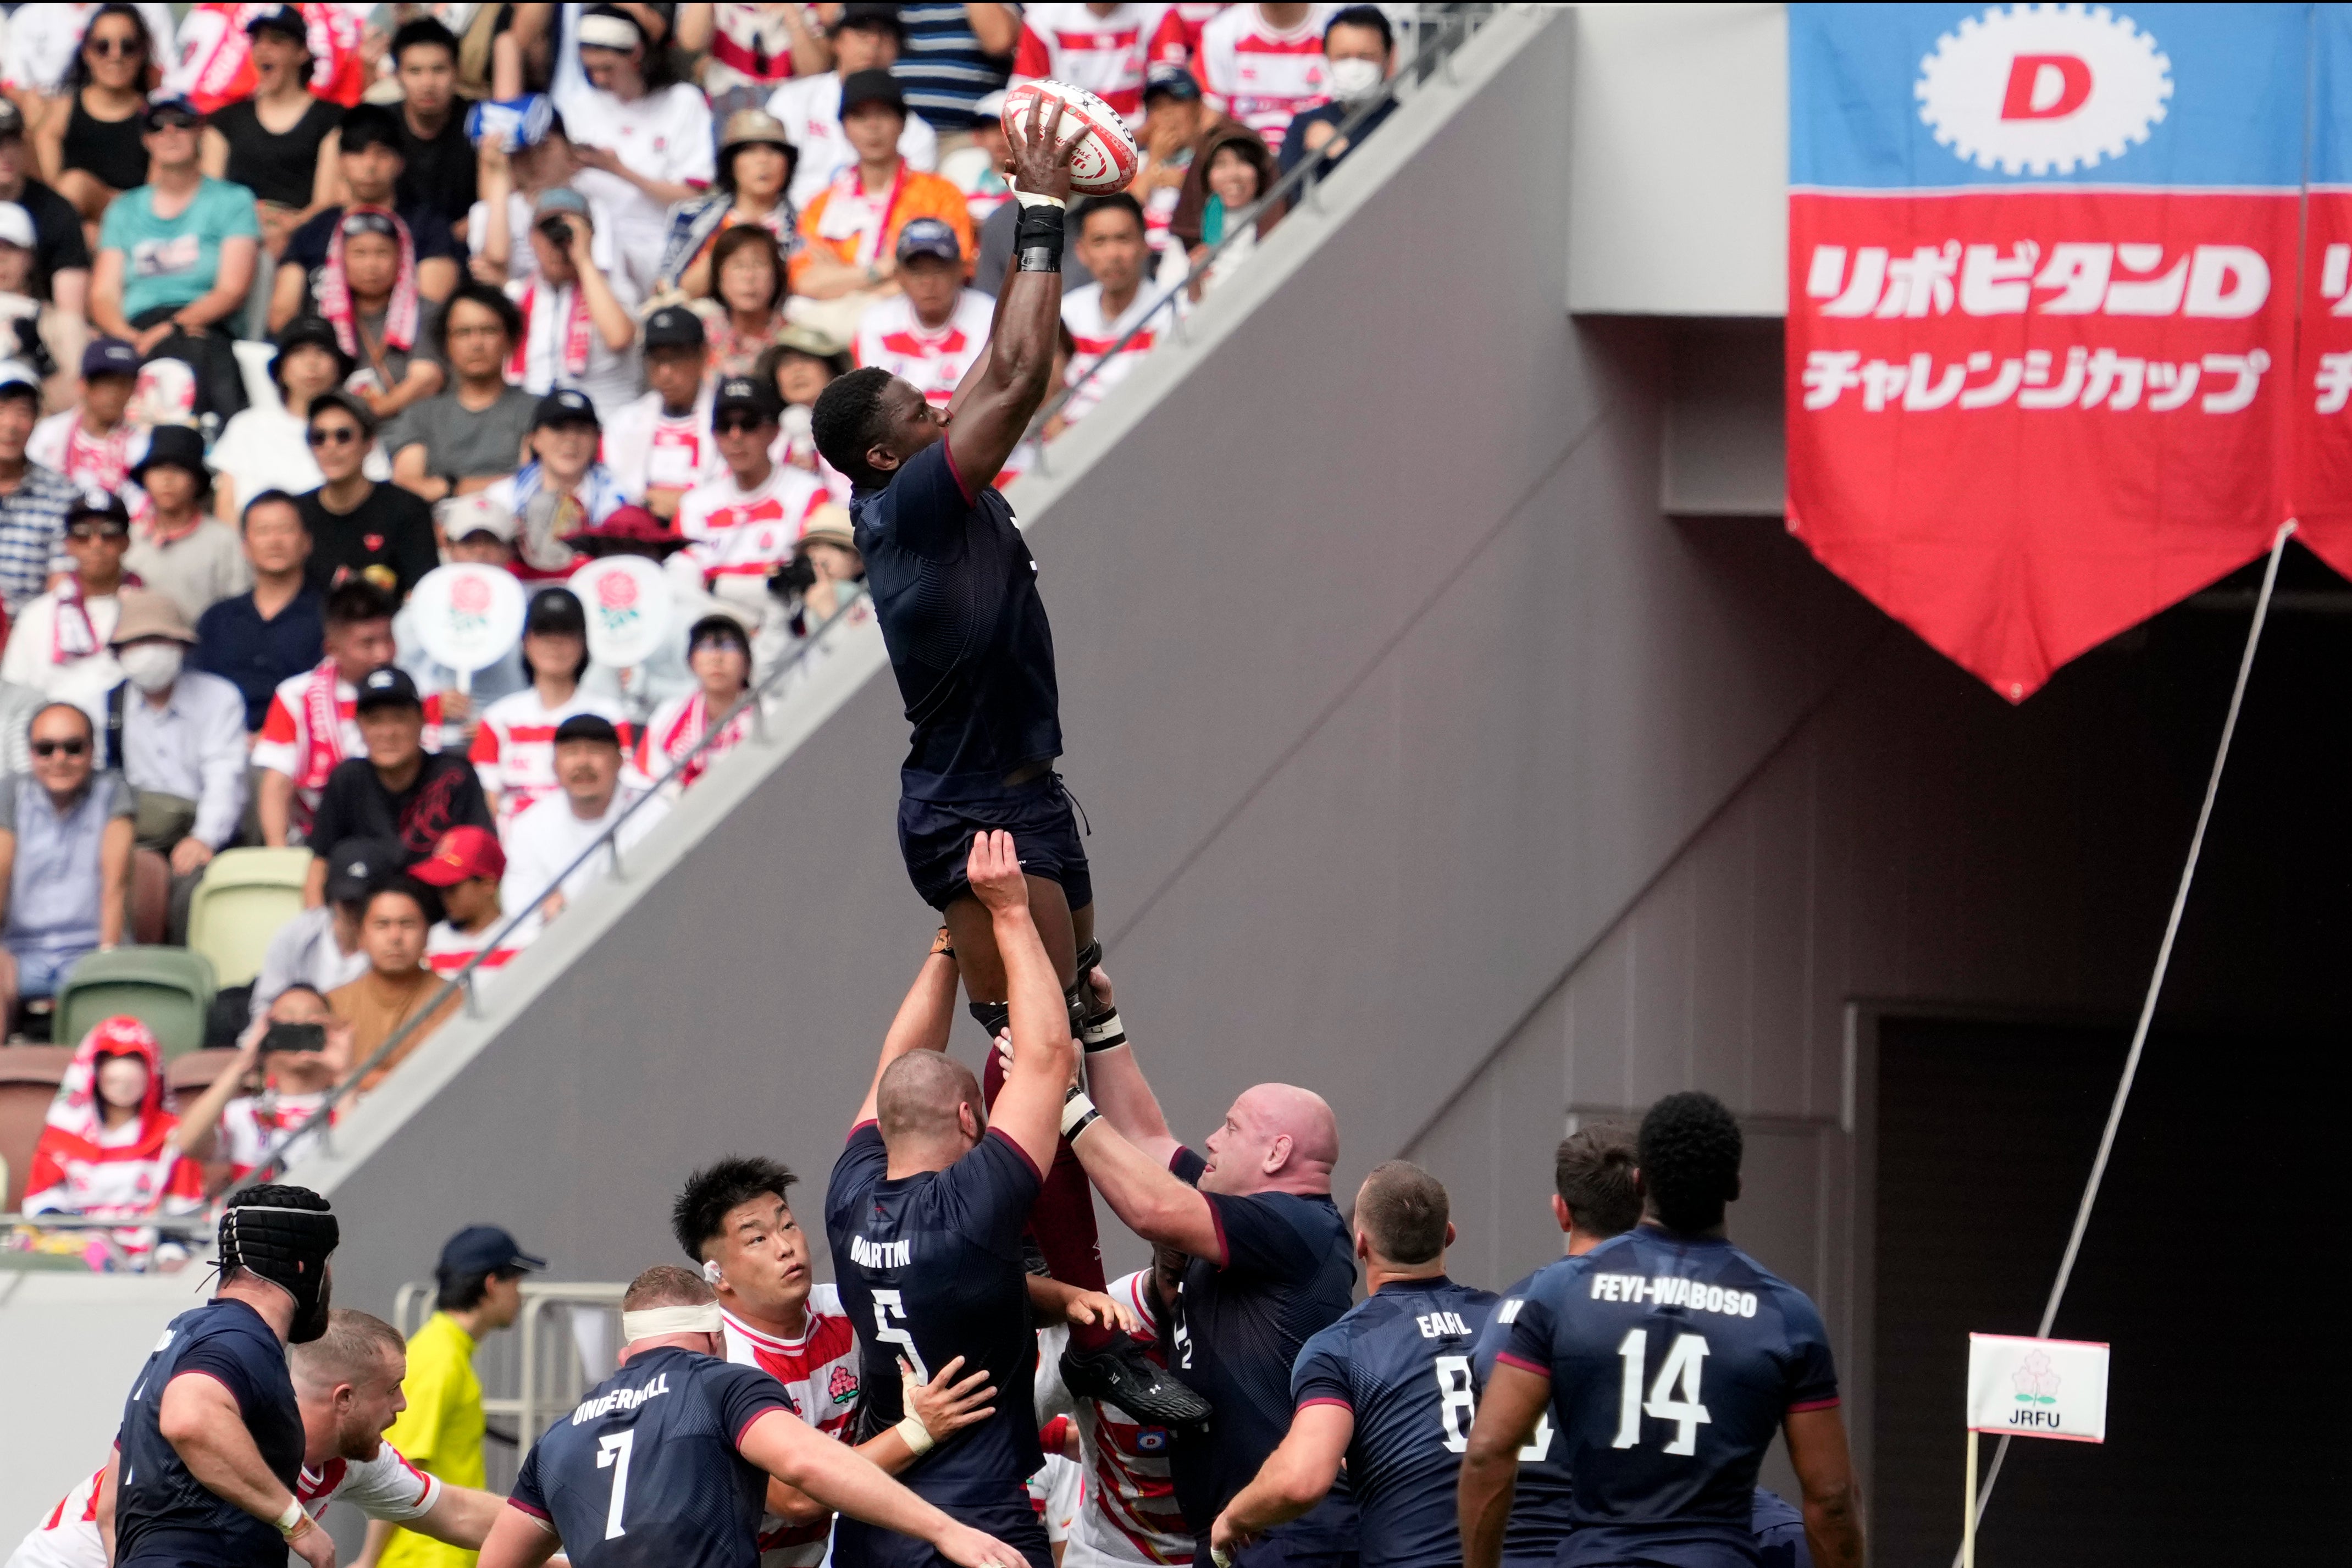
(60, 249)
(479, 1291)
(482, 532)
(42, 43)
(954, 56)
(367, 152)
(320, 948)
(266, 447)
(1175, 120)
(978, 171)
(1228, 176)
(1176, 41)
(215, 65)
(550, 54)
(88, 146)
(1110, 234)
(639, 690)
(802, 362)
(239, 1126)
(933, 330)
(91, 442)
(437, 162)
(360, 526)
(824, 573)
(58, 645)
(865, 37)
(512, 182)
(279, 143)
(395, 988)
(259, 640)
(1359, 55)
(1261, 64)
(561, 487)
(178, 550)
(175, 260)
(367, 291)
(849, 233)
(1103, 48)
(65, 847)
(741, 525)
(751, 48)
(108, 1146)
(659, 445)
(579, 327)
(746, 310)
(473, 434)
(718, 651)
(399, 791)
(32, 334)
(514, 749)
(464, 869)
(178, 737)
(312, 724)
(543, 841)
(644, 141)
(33, 500)
(754, 163)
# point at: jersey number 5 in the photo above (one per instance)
(613, 1454)
(888, 1304)
(1682, 1368)
(1457, 1407)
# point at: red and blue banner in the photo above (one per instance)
(2043, 376)
(2324, 477)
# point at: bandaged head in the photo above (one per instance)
(285, 1234)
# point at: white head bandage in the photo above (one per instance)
(609, 33)
(653, 1323)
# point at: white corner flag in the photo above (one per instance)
(2038, 1387)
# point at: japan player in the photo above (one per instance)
(1128, 1514)
(668, 1461)
(1386, 1389)
(1669, 1358)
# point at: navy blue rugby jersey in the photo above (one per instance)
(644, 1471)
(1540, 1519)
(1400, 1361)
(1673, 1362)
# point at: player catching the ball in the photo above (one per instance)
(955, 590)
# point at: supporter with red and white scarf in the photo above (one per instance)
(368, 292)
(718, 650)
(94, 443)
(59, 643)
(231, 1122)
(108, 1148)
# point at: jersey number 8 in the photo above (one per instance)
(1684, 1358)
(1457, 1407)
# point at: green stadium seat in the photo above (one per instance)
(245, 897)
(169, 989)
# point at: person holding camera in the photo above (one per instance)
(824, 574)
(579, 325)
(297, 1052)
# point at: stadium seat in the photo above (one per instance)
(29, 1076)
(169, 989)
(245, 897)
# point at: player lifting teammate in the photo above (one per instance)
(668, 1461)
(1669, 1357)
(955, 592)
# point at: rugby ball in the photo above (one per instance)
(1107, 156)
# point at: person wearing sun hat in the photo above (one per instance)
(755, 164)
(178, 547)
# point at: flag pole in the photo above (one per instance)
(1968, 1518)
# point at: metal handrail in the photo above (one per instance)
(1460, 23)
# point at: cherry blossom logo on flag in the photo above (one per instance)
(2036, 1379)
(2043, 89)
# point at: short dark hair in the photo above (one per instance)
(458, 1291)
(366, 125)
(423, 31)
(1112, 202)
(298, 986)
(343, 403)
(407, 886)
(1593, 1171)
(1402, 1211)
(750, 236)
(849, 421)
(272, 498)
(350, 604)
(1689, 1149)
(475, 292)
(718, 1189)
(1371, 17)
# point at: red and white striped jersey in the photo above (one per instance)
(386, 1486)
(287, 746)
(1176, 39)
(735, 532)
(1130, 1516)
(251, 1124)
(514, 749)
(933, 358)
(448, 949)
(1104, 55)
(124, 1173)
(1058, 1490)
(819, 1372)
(1261, 75)
(1092, 333)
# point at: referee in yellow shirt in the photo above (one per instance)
(480, 1280)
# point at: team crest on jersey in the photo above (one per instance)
(1150, 1440)
(842, 1385)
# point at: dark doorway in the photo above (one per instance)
(2227, 1170)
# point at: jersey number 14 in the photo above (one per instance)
(1457, 1407)
(1673, 1396)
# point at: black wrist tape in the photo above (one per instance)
(1037, 238)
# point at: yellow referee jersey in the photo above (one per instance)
(441, 1431)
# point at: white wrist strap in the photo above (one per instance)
(1074, 1110)
(1039, 199)
(915, 1435)
(291, 1522)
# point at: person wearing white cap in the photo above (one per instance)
(644, 142)
(32, 334)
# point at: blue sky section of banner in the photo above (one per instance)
(2235, 121)
(2331, 77)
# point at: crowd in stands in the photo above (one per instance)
(299, 303)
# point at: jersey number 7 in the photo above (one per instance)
(888, 1304)
(1684, 1358)
(613, 1454)
(1457, 1407)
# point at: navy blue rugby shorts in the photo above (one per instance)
(939, 814)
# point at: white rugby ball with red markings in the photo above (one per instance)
(1107, 156)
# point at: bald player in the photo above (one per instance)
(925, 1213)
(1270, 1265)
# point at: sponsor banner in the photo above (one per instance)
(2043, 276)
(2324, 382)
(2038, 1387)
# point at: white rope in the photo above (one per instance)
(2154, 985)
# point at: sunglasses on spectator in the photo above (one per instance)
(737, 426)
(98, 531)
(170, 120)
(334, 434)
(107, 48)
(51, 747)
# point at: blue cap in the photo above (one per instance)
(486, 1249)
(929, 236)
(108, 357)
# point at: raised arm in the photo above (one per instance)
(1294, 1478)
(1817, 1451)
(1028, 1109)
(1114, 1079)
(923, 1017)
(1144, 1193)
(1514, 1402)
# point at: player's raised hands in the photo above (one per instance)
(994, 872)
(945, 1406)
(1040, 154)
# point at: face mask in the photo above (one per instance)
(1353, 78)
(150, 666)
